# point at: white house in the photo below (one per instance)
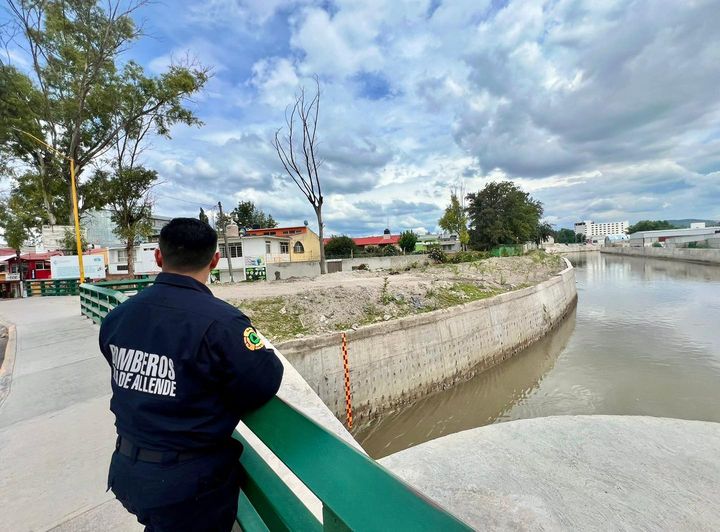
(144, 260)
(249, 256)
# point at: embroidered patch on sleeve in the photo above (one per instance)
(252, 339)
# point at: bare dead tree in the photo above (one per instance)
(297, 151)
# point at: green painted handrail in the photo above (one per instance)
(357, 493)
(97, 301)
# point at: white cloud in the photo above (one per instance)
(599, 109)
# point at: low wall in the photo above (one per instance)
(708, 256)
(570, 248)
(384, 263)
(288, 270)
(395, 362)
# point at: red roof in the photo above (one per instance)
(40, 256)
(376, 240)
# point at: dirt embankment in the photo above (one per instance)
(306, 307)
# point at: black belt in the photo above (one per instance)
(129, 449)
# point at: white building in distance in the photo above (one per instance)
(591, 229)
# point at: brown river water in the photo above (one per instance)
(644, 340)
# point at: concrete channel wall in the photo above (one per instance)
(395, 362)
(708, 256)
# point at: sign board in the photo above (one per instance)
(12, 277)
(66, 267)
(254, 262)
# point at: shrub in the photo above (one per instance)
(390, 251)
(372, 250)
(468, 256)
(407, 242)
(340, 246)
(659, 245)
(437, 254)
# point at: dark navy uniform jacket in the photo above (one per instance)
(185, 366)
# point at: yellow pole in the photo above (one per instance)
(78, 240)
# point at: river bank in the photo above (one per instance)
(303, 308)
(643, 342)
(705, 256)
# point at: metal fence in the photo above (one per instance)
(50, 287)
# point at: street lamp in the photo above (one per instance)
(78, 240)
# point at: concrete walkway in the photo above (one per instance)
(573, 473)
(56, 430)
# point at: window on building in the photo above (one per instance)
(235, 250)
(268, 247)
(284, 248)
(42, 265)
(298, 248)
(122, 255)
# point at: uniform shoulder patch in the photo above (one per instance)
(252, 339)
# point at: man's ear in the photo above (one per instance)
(215, 260)
(158, 257)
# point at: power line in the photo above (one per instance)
(204, 205)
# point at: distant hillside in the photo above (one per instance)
(687, 221)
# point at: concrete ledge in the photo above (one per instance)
(394, 363)
(705, 256)
(573, 473)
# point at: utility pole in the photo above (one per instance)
(227, 249)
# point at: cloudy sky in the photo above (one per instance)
(602, 110)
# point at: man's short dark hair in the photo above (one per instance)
(187, 244)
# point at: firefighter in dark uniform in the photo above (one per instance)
(185, 366)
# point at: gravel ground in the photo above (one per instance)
(304, 307)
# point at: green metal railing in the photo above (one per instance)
(97, 301)
(356, 492)
(50, 287)
(127, 285)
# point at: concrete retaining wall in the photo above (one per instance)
(396, 362)
(708, 256)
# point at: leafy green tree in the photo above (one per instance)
(501, 213)
(203, 217)
(130, 204)
(407, 242)
(454, 220)
(15, 232)
(565, 236)
(69, 244)
(247, 215)
(650, 225)
(580, 238)
(544, 231)
(81, 94)
(340, 246)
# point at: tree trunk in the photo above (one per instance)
(130, 249)
(44, 190)
(323, 266)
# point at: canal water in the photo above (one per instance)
(644, 340)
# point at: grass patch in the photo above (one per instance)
(459, 293)
(269, 320)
